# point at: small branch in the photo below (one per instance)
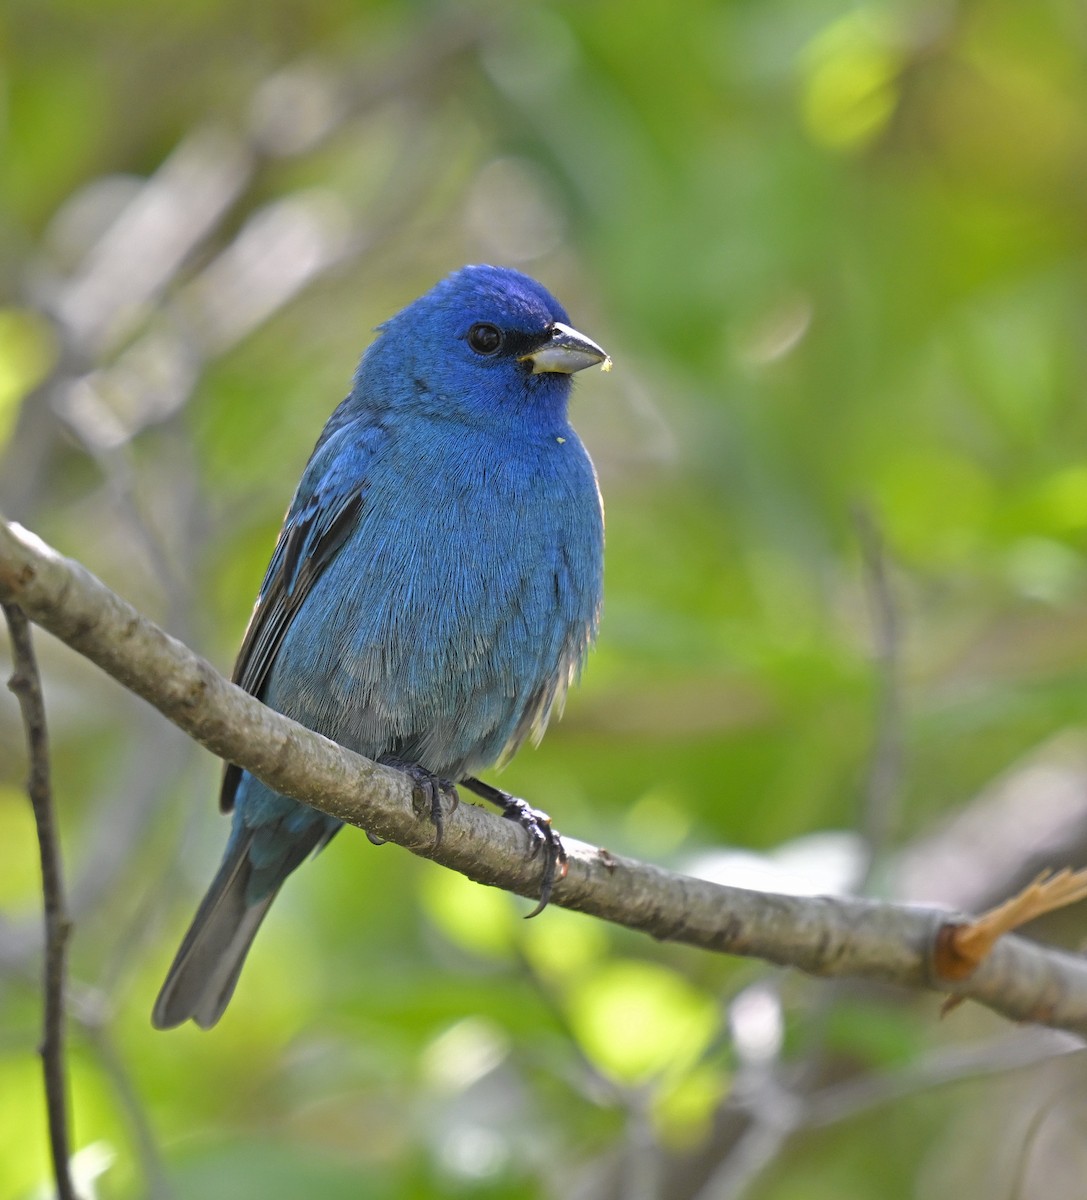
(947, 1065)
(962, 947)
(823, 935)
(880, 814)
(25, 683)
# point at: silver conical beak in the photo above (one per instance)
(566, 351)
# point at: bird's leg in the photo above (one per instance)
(428, 787)
(538, 826)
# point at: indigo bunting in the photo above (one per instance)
(434, 590)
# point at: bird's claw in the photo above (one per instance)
(428, 791)
(542, 836)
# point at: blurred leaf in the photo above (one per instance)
(274, 1171)
(637, 1020)
(684, 1107)
(564, 945)
(20, 874)
(849, 93)
(477, 918)
(27, 353)
(24, 1159)
(879, 1037)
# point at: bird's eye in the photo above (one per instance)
(485, 338)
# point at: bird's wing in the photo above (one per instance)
(325, 510)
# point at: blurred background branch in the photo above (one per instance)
(25, 683)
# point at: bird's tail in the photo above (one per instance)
(205, 971)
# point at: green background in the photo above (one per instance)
(837, 252)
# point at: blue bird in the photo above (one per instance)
(434, 590)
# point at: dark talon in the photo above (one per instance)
(428, 789)
(538, 827)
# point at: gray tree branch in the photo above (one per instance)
(824, 936)
(25, 682)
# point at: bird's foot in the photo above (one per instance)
(537, 825)
(428, 792)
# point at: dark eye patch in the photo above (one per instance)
(489, 341)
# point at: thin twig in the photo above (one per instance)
(881, 796)
(1017, 1183)
(1017, 1051)
(25, 683)
(751, 1155)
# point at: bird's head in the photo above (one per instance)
(486, 344)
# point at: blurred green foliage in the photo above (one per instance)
(837, 252)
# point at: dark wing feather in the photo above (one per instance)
(314, 529)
